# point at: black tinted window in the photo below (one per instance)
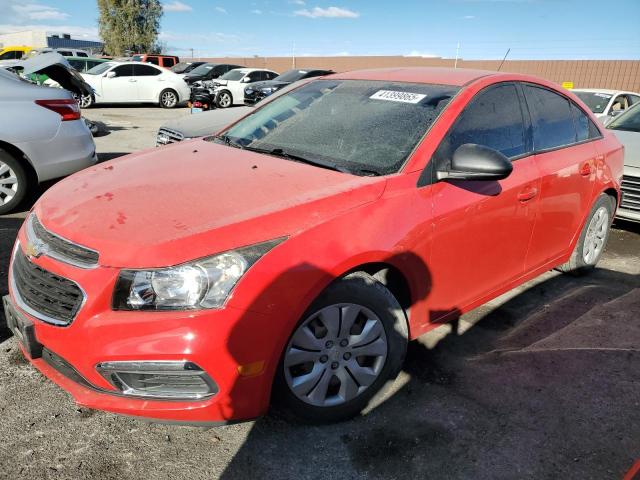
(581, 123)
(493, 119)
(78, 65)
(552, 118)
(168, 62)
(153, 60)
(82, 54)
(146, 71)
(65, 53)
(124, 70)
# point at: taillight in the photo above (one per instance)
(67, 108)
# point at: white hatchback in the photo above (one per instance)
(229, 88)
(134, 82)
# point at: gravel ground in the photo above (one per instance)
(542, 383)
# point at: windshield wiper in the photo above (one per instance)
(279, 152)
(227, 141)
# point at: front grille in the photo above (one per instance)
(167, 136)
(630, 193)
(57, 247)
(49, 297)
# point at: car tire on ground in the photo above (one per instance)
(168, 98)
(13, 182)
(224, 99)
(350, 343)
(593, 238)
(85, 101)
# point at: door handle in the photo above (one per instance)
(527, 194)
(585, 169)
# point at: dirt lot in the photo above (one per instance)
(541, 383)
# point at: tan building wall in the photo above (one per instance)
(615, 74)
(29, 38)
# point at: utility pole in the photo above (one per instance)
(455, 65)
(191, 53)
(505, 57)
(293, 56)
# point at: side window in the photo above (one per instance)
(8, 56)
(270, 75)
(255, 77)
(18, 55)
(494, 119)
(153, 60)
(145, 71)
(551, 117)
(633, 99)
(82, 54)
(77, 64)
(168, 61)
(65, 53)
(585, 129)
(124, 70)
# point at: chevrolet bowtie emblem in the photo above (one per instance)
(32, 250)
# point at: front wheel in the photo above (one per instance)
(168, 98)
(85, 101)
(224, 99)
(593, 238)
(349, 344)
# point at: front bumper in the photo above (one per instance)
(221, 342)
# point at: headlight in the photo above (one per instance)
(204, 283)
(268, 90)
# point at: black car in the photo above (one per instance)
(257, 91)
(185, 67)
(208, 71)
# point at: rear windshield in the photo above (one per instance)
(291, 76)
(597, 102)
(362, 127)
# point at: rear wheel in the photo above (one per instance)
(593, 238)
(13, 182)
(168, 98)
(85, 101)
(349, 344)
(224, 99)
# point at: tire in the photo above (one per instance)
(14, 182)
(347, 378)
(224, 99)
(86, 101)
(169, 98)
(593, 238)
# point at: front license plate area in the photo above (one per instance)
(195, 110)
(22, 328)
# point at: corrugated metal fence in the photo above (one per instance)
(615, 74)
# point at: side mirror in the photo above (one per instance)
(477, 162)
(110, 74)
(246, 80)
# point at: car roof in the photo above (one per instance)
(95, 59)
(431, 75)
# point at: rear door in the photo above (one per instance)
(147, 78)
(566, 157)
(122, 87)
(482, 229)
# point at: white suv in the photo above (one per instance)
(229, 88)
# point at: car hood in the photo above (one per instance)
(166, 206)
(206, 123)
(631, 142)
(57, 68)
(267, 83)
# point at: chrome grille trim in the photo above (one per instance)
(630, 193)
(167, 136)
(55, 246)
(40, 292)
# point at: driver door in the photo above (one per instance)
(482, 229)
(121, 88)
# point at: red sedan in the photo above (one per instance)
(291, 258)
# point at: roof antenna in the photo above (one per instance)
(505, 57)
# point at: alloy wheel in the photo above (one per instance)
(8, 183)
(169, 99)
(225, 100)
(596, 236)
(335, 355)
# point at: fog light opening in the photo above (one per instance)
(169, 380)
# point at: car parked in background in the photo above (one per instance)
(229, 88)
(292, 256)
(185, 67)
(208, 71)
(257, 91)
(65, 52)
(14, 52)
(164, 61)
(42, 136)
(627, 128)
(604, 103)
(134, 82)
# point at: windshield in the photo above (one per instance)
(629, 121)
(233, 75)
(100, 69)
(363, 127)
(291, 76)
(596, 101)
(202, 69)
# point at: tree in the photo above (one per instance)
(129, 25)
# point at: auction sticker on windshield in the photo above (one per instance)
(393, 96)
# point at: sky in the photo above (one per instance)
(476, 29)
